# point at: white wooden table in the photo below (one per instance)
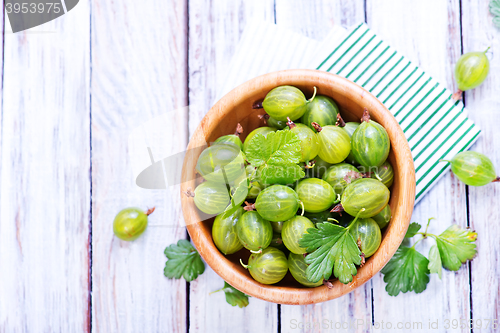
(74, 88)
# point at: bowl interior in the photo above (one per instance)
(236, 107)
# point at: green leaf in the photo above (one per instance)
(406, 271)
(413, 228)
(495, 10)
(279, 154)
(183, 260)
(333, 247)
(456, 246)
(435, 261)
(234, 297)
(277, 174)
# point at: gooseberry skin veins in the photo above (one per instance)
(130, 223)
(366, 193)
(366, 233)
(316, 194)
(309, 142)
(224, 232)
(254, 232)
(322, 110)
(268, 267)
(370, 144)
(297, 267)
(471, 70)
(277, 203)
(211, 197)
(285, 101)
(293, 230)
(335, 144)
(473, 168)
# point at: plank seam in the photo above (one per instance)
(89, 324)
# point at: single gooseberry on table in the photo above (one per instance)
(473, 168)
(471, 70)
(131, 222)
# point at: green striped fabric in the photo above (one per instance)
(436, 127)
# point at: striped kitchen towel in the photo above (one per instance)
(435, 125)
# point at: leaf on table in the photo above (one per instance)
(435, 261)
(413, 228)
(279, 154)
(234, 297)
(406, 271)
(495, 10)
(456, 246)
(334, 248)
(183, 261)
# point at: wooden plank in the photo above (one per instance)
(483, 104)
(431, 41)
(315, 20)
(139, 74)
(44, 177)
(214, 31)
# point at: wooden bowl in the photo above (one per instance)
(236, 107)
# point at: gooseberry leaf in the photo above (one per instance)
(413, 228)
(406, 271)
(456, 246)
(279, 153)
(234, 297)
(183, 261)
(435, 261)
(495, 10)
(334, 248)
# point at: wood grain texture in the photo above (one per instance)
(484, 103)
(139, 72)
(214, 31)
(44, 177)
(431, 41)
(315, 20)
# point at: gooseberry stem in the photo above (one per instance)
(377, 176)
(257, 105)
(445, 161)
(314, 95)
(290, 123)
(316, 126)
(340, 122)
(260, 251)
(487, 49)
(328, 284)
(242, 264)
(496, 180)
(249, 206)
(366, 116)
(302, 204)
(150, 211)
(337, 209)
(310, 164)
(338, 199)
(213, 292)
(457, 96)
(332, 219)
(239, 130)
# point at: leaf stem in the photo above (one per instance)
(355, 219)
(216, 291)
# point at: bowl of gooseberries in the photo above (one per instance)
(297, 187)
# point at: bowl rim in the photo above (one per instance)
(283, 294)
